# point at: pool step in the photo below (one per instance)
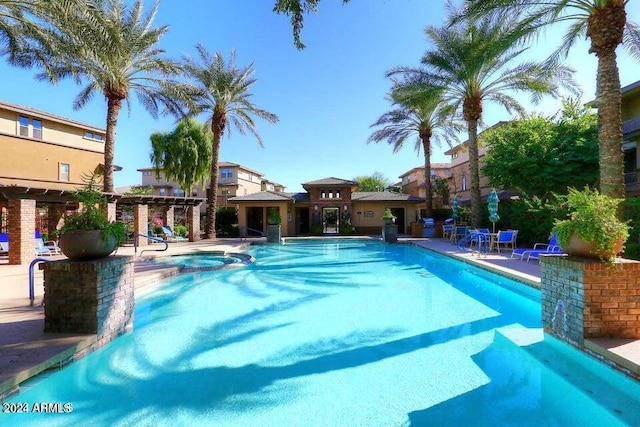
(560, 367)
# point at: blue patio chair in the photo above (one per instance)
(459, 233)
(506, 239)
(446, 231)
(538, 249)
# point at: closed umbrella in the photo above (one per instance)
(493, 208)
(454, 208)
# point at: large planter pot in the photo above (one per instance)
(579, 247)
(274, 234)
(86, 245)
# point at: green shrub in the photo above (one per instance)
(180, 230)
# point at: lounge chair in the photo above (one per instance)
(538, 249)
(169, 236)
(48, 248)
(4, 243)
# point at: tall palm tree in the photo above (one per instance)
(112, 49)
(421, 113)
(471, 62)
(219, 89)
(605, 23)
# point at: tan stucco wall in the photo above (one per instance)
(359, 220)
(287, 228)
(30, 162)
(631, 107)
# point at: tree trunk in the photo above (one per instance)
(472, 111)
(114, 105)
(426, 146)
(218, 123)
(605, 29)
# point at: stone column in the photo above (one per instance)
(193, 222)
(141, 223)
(110, 211)
(90, 297)
(169, 217)
(22, 229)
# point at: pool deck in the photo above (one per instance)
(26, 351)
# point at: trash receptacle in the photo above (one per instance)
(429, 227)
(416, 229)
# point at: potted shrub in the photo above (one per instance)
(88, 234)
(388, 217)
(593, 228)
(274, 233)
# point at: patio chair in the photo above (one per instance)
(506, 239)
(459, 233)
(446, 231)
(538, 249)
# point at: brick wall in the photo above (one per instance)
(600, 299)
(22, 228)
(92, 297)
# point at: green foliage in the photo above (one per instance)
(346, 227)
(387, 215)
(180, 230)
(139, 190)
(184, 155)
(91, 215)
(592, 217)
(316, 229)
(273, 216)
(227, 222)
(532, 216)
(375, 182)
(442, 188)
(539, 156)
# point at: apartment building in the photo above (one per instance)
(631, 137)
(43, 150)
(233, 180)
(413, 182)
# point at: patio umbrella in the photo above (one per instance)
(454, 208)
(493, 208)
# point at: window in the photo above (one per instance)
(146, 173)
(338, 194)
(94, 136)
(37, 128)
(178, 192)
(163, 191)
(323, 195)
(464, 183)
(24, 125)
(226, 173)
(64, 172)
(454, 155)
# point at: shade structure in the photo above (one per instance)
(454, 208)
(493, 208)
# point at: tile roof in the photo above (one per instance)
(383, 196)
(331, 181)
(264, 196)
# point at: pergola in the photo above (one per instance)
(21, 203)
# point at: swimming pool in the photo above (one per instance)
(340, 333)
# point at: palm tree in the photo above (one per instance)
(420, 112)
(471, 62)
(604, 23)
(111, 48)
(221, 90)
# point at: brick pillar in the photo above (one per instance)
(599, 299)
(22, 229)
(110, 211)
(169, 217)
(90, 297)
(141, 223)
(193, 222)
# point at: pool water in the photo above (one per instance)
(204, 261)
(342, 333)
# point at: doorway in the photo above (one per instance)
(255, 221)
(302, 220)
(330, 220)
(399, 214)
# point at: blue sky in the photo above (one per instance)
(326, 96)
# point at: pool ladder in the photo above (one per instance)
(154, 239)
